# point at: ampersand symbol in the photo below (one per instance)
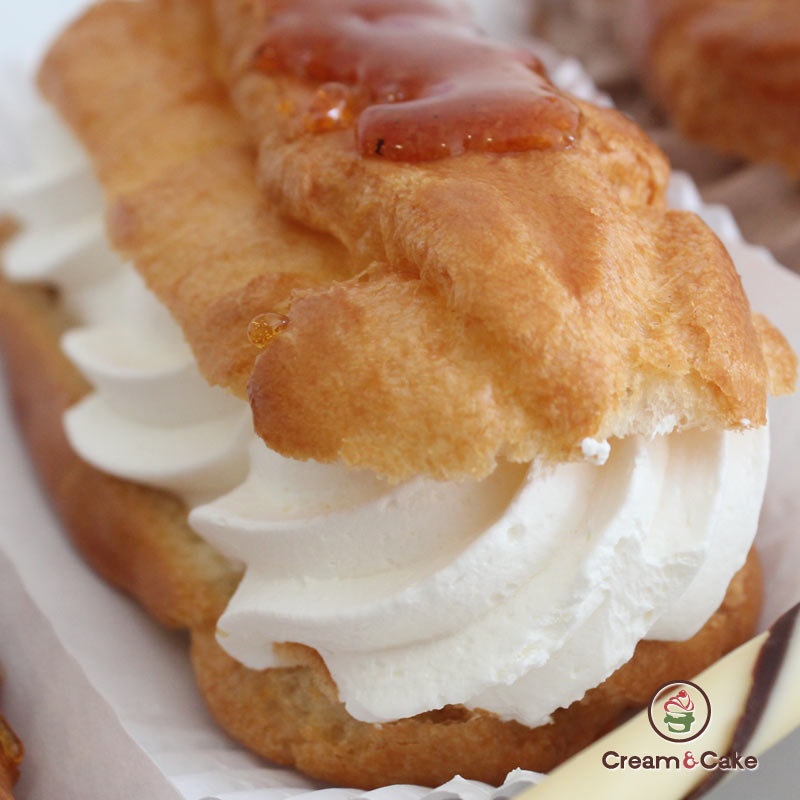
(689, 760)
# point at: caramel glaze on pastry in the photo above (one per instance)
(139, 539)
(442, 313)
(728, 72)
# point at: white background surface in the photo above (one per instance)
(58, 711)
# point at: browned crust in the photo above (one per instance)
(179, 169)
(139, 540)
(728, 72)
(11, 749)
(11, 753)
(781, 359)
(441, 315)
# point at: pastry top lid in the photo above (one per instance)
(435, 315)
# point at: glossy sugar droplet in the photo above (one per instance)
(333, 107)
(265, 327)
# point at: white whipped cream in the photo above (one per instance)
(153, 418)
(515, 594)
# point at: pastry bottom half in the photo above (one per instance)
(139, 539)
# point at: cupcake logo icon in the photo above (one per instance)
(680, 711)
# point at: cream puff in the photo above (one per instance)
(510, 409)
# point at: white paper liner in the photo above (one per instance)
(105, 700)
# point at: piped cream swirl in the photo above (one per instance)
(515, 594)
(152, 417)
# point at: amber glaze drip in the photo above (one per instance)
(418, 82)
(265, 327)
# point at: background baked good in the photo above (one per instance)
(10, 746)
(726, 71)
(10, 758)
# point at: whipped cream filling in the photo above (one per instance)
(515, 594)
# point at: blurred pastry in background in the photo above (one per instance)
(726, 71)
(11, 749)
